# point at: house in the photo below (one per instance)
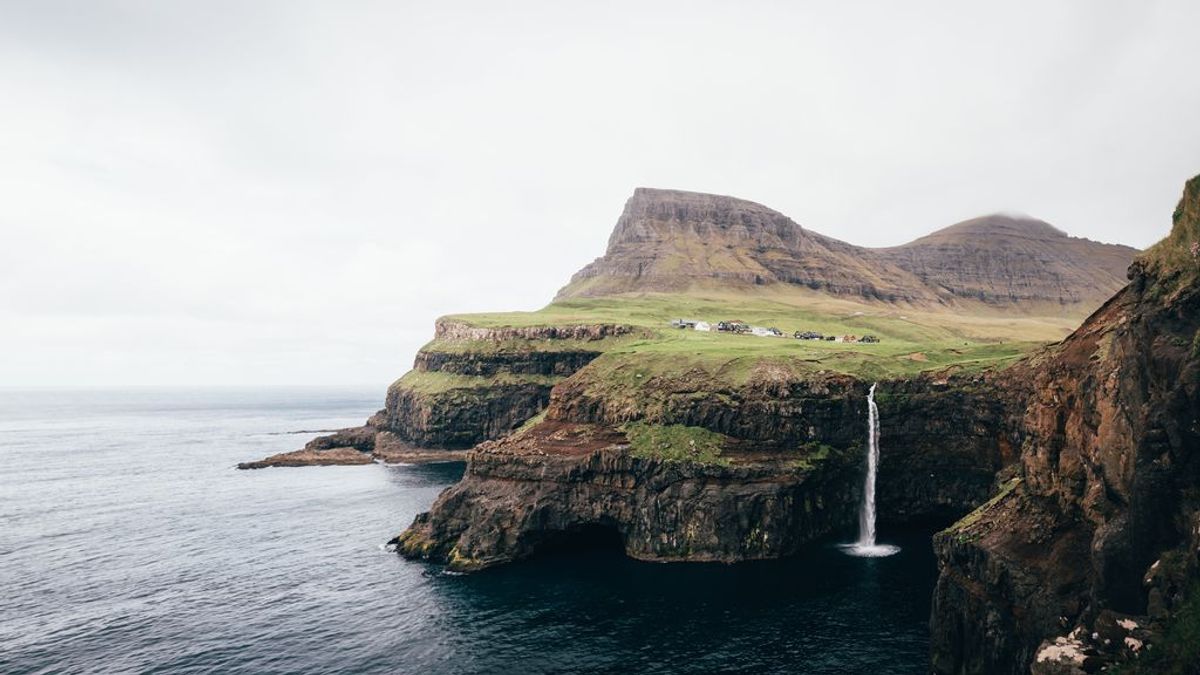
(760, 331)
(704, 326)
(683, 323)
(869, 339)
(734, 326)
(807, 335)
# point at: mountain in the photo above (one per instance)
(670, 241)
(673, 241)
(1007, 259)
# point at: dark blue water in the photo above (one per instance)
(128, 543)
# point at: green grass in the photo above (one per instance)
(913, 340)
(1178, 652)
(426, 382)
(675, 443)
(814, 454)
(973, 517)
(1171, 259)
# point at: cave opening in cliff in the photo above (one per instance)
(590, 538)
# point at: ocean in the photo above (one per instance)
(130, 544)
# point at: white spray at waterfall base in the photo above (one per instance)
(866, 547)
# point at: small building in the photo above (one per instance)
(683, 323)
(760, 331)
(869, 339)
(703, 326)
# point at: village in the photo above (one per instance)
(738, 327)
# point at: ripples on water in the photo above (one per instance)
(129, 544)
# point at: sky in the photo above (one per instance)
(248, 193)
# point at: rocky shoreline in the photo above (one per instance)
(1072, 472)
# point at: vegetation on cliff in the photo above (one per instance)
(675, 443)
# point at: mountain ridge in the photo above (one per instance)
(673, 240)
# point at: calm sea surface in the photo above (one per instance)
(128, 543)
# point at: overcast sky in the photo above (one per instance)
(289, 192)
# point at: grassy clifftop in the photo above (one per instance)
(912, 339)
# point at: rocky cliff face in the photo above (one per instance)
(670, 241)
(525, 491)
(1103, 523)
(792, 469)
(470, 385)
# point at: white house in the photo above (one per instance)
(760, 331)
(704, 326)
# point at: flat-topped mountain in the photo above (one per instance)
(673, 241)
(670, 240)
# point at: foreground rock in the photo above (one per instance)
(357, 445)
(1106, 520)
(566, 479)
(329, 457)
(790, 468)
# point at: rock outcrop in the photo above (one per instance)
(1107, 507)
(792, 471)
(562, 479)
(470, 385)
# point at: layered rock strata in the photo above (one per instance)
(792, 469)
(468, 386)
(672, 240)
(1105, 519)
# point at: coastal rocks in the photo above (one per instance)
(1110, 464)
(326, 457)
(562, 479)
(943, 437)
(489, 364)
(457, 418)
(469, 386)
(795, 462)
(356, 445)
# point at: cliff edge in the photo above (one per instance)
(1087, 558)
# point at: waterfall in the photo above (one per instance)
(866, 546)
(866, 515)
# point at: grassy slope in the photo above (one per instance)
(913, 339)
(439, 383)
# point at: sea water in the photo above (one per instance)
(129, 543)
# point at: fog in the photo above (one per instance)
(232, 193)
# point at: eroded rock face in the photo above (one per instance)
(501, 377)
(561, 478)
(943, 437)
(1110, 465)
(796, 460)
